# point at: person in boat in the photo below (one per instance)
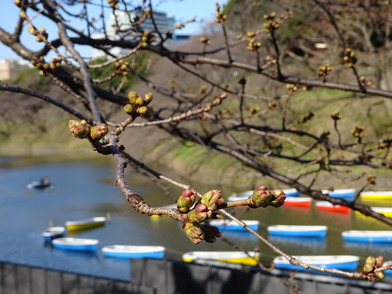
(45, 182)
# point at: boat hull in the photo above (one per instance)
(223, 256)
(340, 262)
(85, 224)
(327, 206)
(297, 231)
(376, 195)
(298, 201)
(75, 244)
(53, 233)
(346, 194)
(226, 225)
(367, 236)
(124, 251)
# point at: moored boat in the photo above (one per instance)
(132, 251)
(230, 225)
(291, 192)
(376, 195)
(75, 244)
(85, 224)
(225, 256)
(328, 206)
(340, 262)
(367, 236)
(386, 211)
(42, 184)
(298, 201)
(346, 194)
(297, 231)
(52, 233)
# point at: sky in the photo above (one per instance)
(181, 10)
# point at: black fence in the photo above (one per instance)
(151, 276)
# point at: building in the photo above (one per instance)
(120, 22)
(9, 68)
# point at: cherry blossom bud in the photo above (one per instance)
(98, 132)
(261, 196)
(212, 199)
(199, 213)
(80, 129)
(186, 200)
(194, 232)
(379, 261)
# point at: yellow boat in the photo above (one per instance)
(85, 224)
(223, 256)
(376, 195)
(386, 211)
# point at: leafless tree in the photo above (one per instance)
(257, 97)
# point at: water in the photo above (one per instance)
(85, 189)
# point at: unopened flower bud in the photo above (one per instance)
(371, 260)
(199, 213)
(128, 108)
(132, 95)
(277, 198)
(261, 196)
(186, 200)
(147, 98)
(367, 268)
(80, 129)
(98, 132)
(143, 111)
(194, 232)
(379, 261)
(139, 101)
(379, 274)
(212, 199)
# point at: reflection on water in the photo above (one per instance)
(315, 245)
(84, 189)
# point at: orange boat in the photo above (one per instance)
(298, 201)
(327, 206)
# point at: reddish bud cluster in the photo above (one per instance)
(81, 129)
(262, 197)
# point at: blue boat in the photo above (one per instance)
(346, 194)
(129, 251)
(230, 225)
(367, 236)
(52, 233)
(75, 244)
(341, 262)
(291, 192)
(297, 231)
